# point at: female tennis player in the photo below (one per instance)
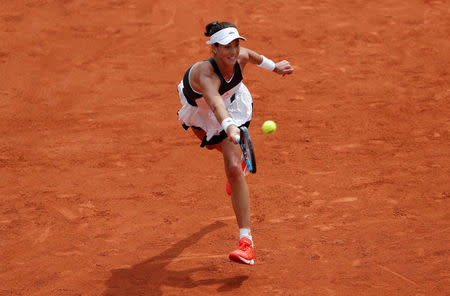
(215, 103)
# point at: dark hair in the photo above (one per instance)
(214, 27)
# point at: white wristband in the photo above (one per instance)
(227, 122)
(267, 64)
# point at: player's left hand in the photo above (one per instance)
(283, 68)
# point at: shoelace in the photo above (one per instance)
(244, 246)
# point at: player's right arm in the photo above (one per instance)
(207, 82)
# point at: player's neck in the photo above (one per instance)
(226, 70)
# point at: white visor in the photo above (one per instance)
(225, 36)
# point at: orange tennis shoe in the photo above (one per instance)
(244, 254)
(244, 169)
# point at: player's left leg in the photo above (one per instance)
(239, 190)
(244, 171)
(240, 199)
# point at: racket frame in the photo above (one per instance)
(245, 142)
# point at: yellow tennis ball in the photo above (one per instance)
(269, 127)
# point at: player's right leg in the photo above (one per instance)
(201, 134)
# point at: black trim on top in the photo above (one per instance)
(188, 92)
(191, 95)
(226, 86)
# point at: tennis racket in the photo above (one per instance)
(245, 142)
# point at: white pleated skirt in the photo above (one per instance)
(238, 103)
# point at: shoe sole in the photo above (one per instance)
(239, 259)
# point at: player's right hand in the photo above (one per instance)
(233, 133)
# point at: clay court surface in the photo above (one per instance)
(103, 193)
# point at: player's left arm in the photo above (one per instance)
(282, 67)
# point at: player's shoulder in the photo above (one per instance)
(202, 67)
(244, 52)
(243, 56)
(203, 73)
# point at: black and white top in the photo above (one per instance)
(196, 112)
(225, 86)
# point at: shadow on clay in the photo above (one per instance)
(147, 278)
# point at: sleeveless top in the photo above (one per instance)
(225, 86)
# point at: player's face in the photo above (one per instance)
(229, 53)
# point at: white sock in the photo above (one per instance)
(245, 232)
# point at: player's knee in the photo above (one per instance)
(234, 171)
